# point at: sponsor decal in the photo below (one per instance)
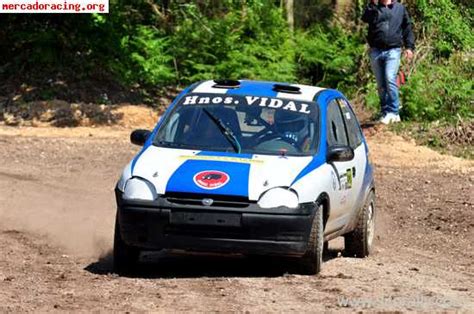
(276, 103)
(211, 179)
(349, 178)
(346, 179)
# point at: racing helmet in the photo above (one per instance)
(291, 125)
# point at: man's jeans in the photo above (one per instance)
(385, 64)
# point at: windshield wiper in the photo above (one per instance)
(172, 144)
(229, 135)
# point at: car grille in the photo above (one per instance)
(230, 233)
(218, 200)
(207, 232)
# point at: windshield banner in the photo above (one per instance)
(276, 103)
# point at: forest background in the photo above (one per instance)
(144, 51)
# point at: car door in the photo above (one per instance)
(359, 163)
(342, 172)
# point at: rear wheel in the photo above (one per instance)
(359, 242)
(125, 256)
(313, 258)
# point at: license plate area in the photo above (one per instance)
(206, 219)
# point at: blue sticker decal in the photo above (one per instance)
(184, 178)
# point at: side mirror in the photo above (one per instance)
(139, 137)
(339, 153)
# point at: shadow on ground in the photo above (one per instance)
(369, 124)
(165, 264)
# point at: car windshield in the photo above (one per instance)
(242, 124)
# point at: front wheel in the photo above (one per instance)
(359, 242)
(125, 256)
(313, 258)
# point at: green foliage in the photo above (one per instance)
(150, 43)
(445, 26)
(371, 97)
(253, 42)
(329, 56)
(148, 56)
(440, 90)
(197, 41)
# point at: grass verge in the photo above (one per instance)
(454, 138)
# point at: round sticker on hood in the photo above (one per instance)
(211, 179)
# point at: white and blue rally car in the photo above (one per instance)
(251, 167)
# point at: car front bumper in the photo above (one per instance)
(163, 224)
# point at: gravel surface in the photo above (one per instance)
(56, 225)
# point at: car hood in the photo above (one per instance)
(215, 173)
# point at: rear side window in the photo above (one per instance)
(353, 129)
(336, 131)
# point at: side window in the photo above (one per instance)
(353, 129)
(336, 131)
(172, 127)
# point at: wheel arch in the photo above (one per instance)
(353, 220)
(323, 199)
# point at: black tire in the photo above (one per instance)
(125, 256)
(359, 242)
(313, 258)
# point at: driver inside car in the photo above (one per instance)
(293, 128)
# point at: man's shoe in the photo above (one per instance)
(377, 116)
(390, 118)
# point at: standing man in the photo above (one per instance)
(389, 30)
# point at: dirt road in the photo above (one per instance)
(56, 224)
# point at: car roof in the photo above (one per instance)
(258, 88)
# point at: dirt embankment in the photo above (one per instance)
(56, 224)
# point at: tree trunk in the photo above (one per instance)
(342, 8)
(290, 14)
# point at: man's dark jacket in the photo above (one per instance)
(389, 26)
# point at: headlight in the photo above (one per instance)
(139, 189)
(277, 197)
